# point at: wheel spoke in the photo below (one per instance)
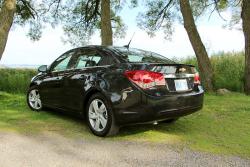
(36, 104)
(95, 105)
(102, 108)
(39, 102)
(33, 93)
(97, 125)
(103, 121)
(31, 99)
(92, 115)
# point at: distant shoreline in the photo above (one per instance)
(19, 66)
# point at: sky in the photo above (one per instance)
(20, 50)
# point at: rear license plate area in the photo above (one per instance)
(181, 85)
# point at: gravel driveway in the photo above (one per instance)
(54, 150)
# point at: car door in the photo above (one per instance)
(51, 87)
(81, 78)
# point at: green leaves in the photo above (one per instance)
(223, 4)
(159, 15)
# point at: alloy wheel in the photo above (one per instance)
(98, 116)
(34, 99)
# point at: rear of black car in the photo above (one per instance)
(159, 89)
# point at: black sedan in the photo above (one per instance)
(116, 86)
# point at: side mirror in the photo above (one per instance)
(42, 68)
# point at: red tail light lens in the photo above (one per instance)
(145, 79)
(197, 80)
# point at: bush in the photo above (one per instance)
(15, 80)
(228, 70)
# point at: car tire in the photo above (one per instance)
(33, 99)
(169, 121)
(100, 116)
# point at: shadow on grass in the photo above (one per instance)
(70, 123)
(130, 130)
(178, 127)
(141, 132)
(65, 115)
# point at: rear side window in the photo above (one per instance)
(87, 60)
(91, 58)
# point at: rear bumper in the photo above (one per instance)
(146, 108)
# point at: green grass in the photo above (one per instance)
(222, 126)
(17, 117)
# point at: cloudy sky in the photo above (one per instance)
(20, 50)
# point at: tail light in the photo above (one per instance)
(197, 80)
(146, 79)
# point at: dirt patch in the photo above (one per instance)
(54, 150)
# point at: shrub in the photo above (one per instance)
(228, 70)
(15, 80)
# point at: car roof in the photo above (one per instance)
(101, 47)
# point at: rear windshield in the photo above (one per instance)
(141, 56)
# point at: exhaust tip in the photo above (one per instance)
(155, 123)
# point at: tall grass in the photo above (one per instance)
(15, 80)
(228, 70)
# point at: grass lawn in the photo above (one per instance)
(222, 126)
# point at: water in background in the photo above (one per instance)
(19, 66)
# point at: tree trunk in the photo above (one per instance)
(245, 15)
(198, 47)
(106, 29)
(6, 19)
